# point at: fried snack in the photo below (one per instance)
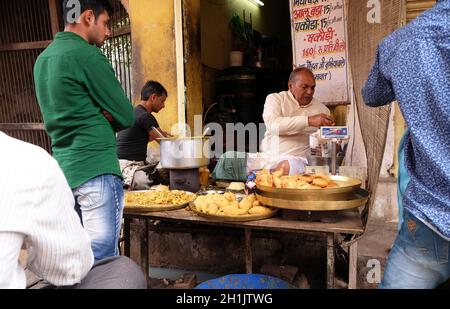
(291, 184)
(259, 210)
(277, 182)
(227, 205)
(302, 185)
(306, 178)
(245, 204)
(322, 176)
(159, 197)
(251, 198)
(302, 182)
(264, 180)
(333, 184)
(320, 182)
(278, 173)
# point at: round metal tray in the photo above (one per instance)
(345, 190)
(153, 208)
(243, 218)
(358, 198)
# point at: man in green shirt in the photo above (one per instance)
(83, 105)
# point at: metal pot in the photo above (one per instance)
(185, 152)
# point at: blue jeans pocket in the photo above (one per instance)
(90, 195)
(423, 243)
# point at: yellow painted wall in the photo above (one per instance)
(216, 37)
(152, 28)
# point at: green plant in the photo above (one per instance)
(238, 31)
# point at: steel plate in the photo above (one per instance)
(153, 208)
(244, 218)
(359, 198)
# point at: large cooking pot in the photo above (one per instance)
(185, 152)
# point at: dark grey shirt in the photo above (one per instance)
(132, 142)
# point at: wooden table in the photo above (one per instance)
(348, 222)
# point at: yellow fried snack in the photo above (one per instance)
(259, 210)
(322, 176)
(212, 209)
(302, 182)
(292, 184)
(302, 185)
(278, 173)
(158, 197)
(320, 182)
(277, 182)
(256, 203)
(245, 204)
(306, 178)
(251, 198)
(227, 205)
(230, 196)
(333, 184)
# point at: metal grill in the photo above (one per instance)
(27, 27)
(118, 47)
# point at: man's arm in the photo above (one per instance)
(107, 92)
(378, 89)
(155, 137)
(58, 246)
(9, 257)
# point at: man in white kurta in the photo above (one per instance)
(291, 116)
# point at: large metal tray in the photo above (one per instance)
(243, 218)
(153, 208)
(345, 190)
(357, 199)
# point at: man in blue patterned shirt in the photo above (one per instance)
(413, 66)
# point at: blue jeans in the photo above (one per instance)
(418, 259)
(99, 202)
(402, 178)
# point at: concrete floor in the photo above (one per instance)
(373, 248)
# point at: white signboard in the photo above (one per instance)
(319, 43)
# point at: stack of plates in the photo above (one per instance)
(347, 195)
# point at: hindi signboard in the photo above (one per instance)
(319, 42)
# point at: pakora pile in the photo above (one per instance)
(276, 179)
(228, 205)
(162, 196)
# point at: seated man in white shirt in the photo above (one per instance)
(37, 213)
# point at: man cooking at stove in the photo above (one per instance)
(290, 117)
(132, 143)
